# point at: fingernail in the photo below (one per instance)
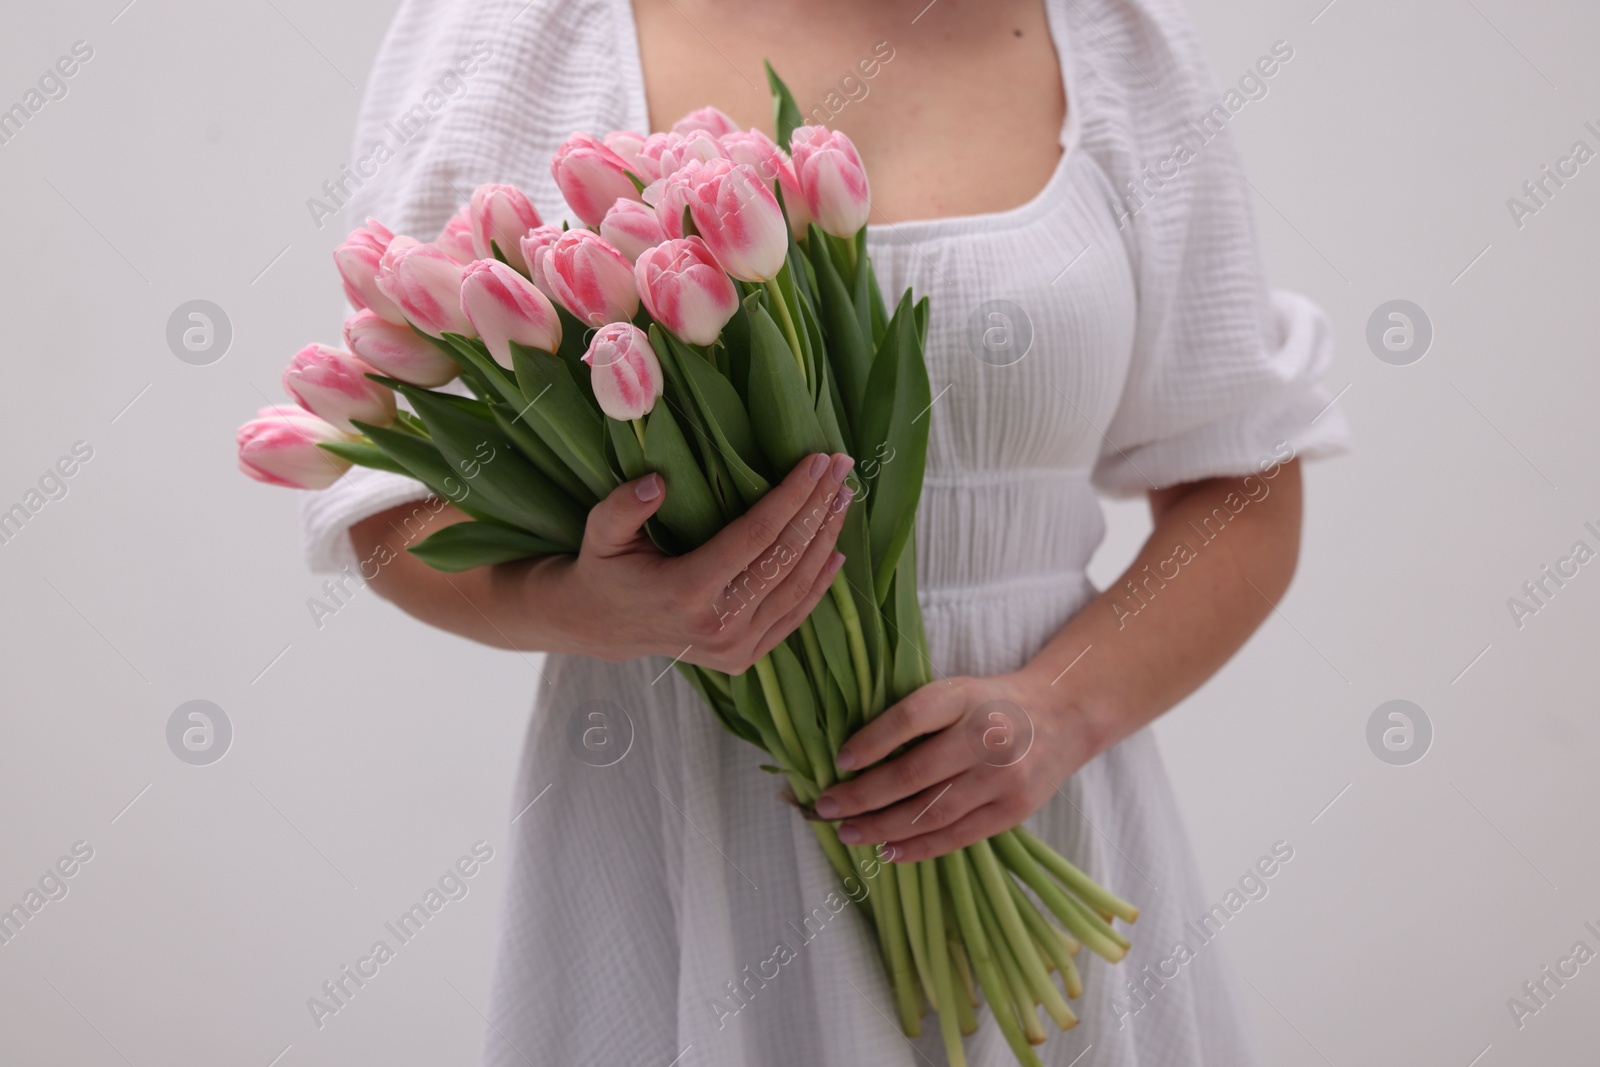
(649, 488)
(845, 760)
(836, 561)
(841, 466)
(846, 495)
(828, 808)
(819, 463)
(850, 835)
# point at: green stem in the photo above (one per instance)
(1082, 923)
(846, 604)
(767, 675)
(908, 876)
(638, 431)
(994, 881)
(1021, 999)
(907, 992)
(954, 868)
(786, 320)
(939, 949)
(1095, 895)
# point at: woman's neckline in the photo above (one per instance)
(909, 230)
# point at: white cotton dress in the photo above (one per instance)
(1093, 340)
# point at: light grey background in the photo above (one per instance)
(1420, 897)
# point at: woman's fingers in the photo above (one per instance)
(747, 538)
(975, 826)
(941, 804)
(615, 524)
(933, 707)
(936, 760)
(819, 589)
(819, 524)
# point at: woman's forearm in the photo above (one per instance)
(473, 603)
(1221, 554)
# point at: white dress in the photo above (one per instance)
(649, 897)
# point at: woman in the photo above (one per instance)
(1096, 326)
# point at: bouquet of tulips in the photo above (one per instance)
(763, 338)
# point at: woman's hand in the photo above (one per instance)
(991, 752)
(724, 605)
(727, 603)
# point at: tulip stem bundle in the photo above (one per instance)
(762, 339)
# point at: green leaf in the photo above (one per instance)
(574, 343)
(801, 702)
(835, 645)
(785, 112)
(421, 459)
(894, 432)
(910, 668)
(472, 352)
(689, 509)
(848, 351)
(557, 411)
(363, 454)
(753, 710)
(781, 414)
(465, 545)
(485, 459)
(729, 424)
(541, 455)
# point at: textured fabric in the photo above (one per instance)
(1095, 339)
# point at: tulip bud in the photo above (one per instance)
(670, 196)
(534, 245)
(832, 179)
(739, 218)
(426, 283)
(632, 227)
(624, 370)
(794, 201)
(357, 260)
(756, 149)
(664, 154)
(591, 278)
(501, 214)
(626, 144)
(398, 351)
(456, 237)
(504, 307)
(591, 176)
(708, 119)
(333, 385)
(685, 289)
(279, 447)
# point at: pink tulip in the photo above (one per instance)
(426, 283)
(279, 447)
(534, 245)
(708, 119)
(632, 227)
(333, 385)
(358, 259)
(664, 154)
(832, 179)
(685, 290)
(624, 370)
(501, 214)
(398, 351)
(739, 218)
(626, 144)
(591, 278)
(756, 149)
(591, 177)
(794, 201)
(456, 237)
(669, 196)
(504, 307)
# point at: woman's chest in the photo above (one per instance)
(958, 112)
